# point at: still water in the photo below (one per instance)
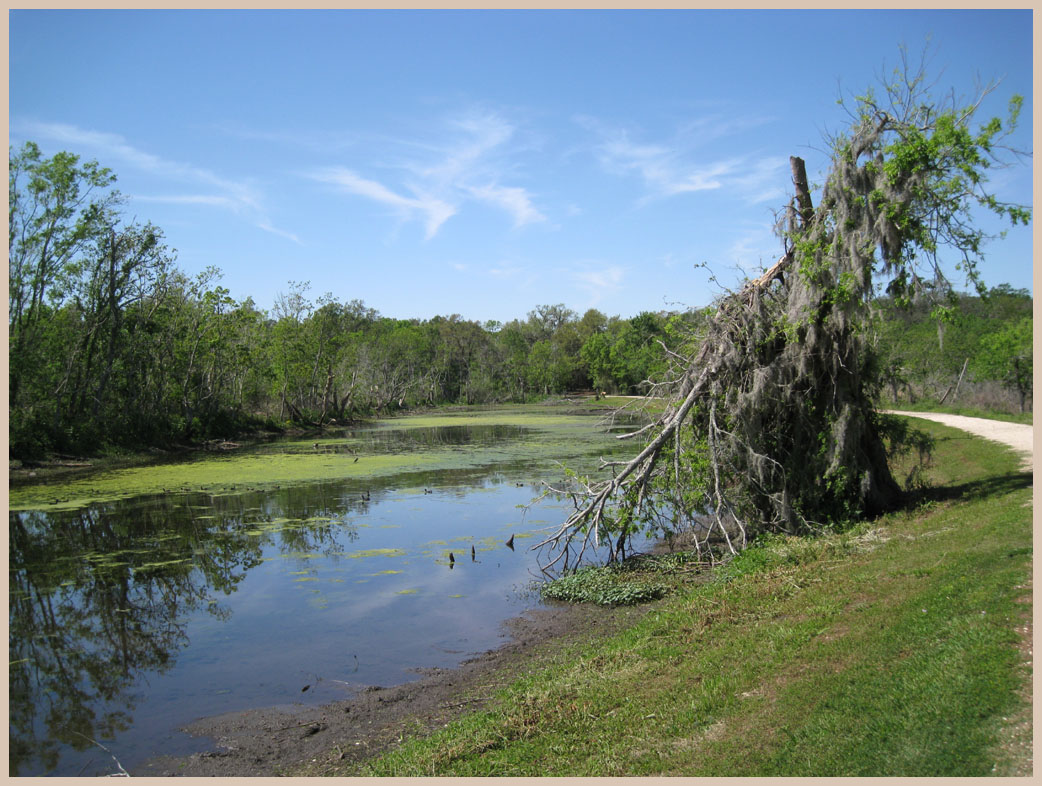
(294, 572)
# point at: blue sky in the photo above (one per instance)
(485, 162)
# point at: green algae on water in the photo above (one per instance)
(542, 435)
(375, 553)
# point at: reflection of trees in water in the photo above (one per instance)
(321, 517)
(407, 440)
(101, 596)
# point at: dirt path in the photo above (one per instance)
(1018, 436)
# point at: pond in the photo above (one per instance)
(295, 572)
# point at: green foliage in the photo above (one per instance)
(924, 346)
(602, 586)
(639, 579)
(1006, 356)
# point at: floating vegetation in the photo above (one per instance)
(165, 564)
(375, 553)
(489, 543)
(603, 587)
(639, 579)
(534, 436)
(407, 592)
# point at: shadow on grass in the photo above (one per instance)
(975, 489)
(993, 483)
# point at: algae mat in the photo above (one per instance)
(365, 454)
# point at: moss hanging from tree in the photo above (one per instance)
(772, 424)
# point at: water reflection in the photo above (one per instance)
(101, 595)
(389, 439)
(130, 618)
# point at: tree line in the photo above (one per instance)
(975, 351)
(111, 345)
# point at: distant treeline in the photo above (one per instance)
(975, 352)
(181, 361)
(112, 346)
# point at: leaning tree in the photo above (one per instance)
(771, 425)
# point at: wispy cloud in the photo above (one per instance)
(478, 134)
(764, 180)
(515, 201)
(471, 163)
(238, 197)
(315, 140)
(708, 127)
(434, 211)
(211, 200)
(506, 270)
(673, 167)
(662, 169)
(280, 232)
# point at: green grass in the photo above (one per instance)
(887, 650)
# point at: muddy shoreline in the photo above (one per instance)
(280, 741)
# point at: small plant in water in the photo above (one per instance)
(639, 579)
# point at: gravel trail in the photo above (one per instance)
(1018, 436)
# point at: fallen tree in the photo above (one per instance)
(771, 425)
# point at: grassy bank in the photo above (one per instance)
(894, 649)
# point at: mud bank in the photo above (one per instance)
(283, 740)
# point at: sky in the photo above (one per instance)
(483, 163)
